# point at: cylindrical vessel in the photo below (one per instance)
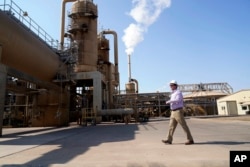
(25, 52)
(103, 49)
(83, 30)
(130, 87)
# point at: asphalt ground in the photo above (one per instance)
(120, 145)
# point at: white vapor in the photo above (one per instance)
(145, 13)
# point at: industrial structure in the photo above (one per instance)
(47, 83)
(200, 99)
(44, 82)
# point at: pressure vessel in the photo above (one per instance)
(83, 30)
(130, 87)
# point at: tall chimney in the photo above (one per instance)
(129, 69)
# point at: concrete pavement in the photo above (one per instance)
(119, 145)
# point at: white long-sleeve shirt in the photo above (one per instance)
(176, 100)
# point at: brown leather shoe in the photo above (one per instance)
(189, 142)
(166, 142)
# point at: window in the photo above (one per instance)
(79, 90)
(244, 107)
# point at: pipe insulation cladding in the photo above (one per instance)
(24, 51)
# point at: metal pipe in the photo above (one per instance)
(115, 53)
(63, 22)
(118, 111)
(137, 85)
(129, 68)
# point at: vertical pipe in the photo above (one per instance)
(4, 5)
(159, 104)
(137, 85)
(115, 53)
(129, 68)
(3, 76)
(0, 53)
(26, 110)
(63, 22)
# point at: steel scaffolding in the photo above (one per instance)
(222, 87)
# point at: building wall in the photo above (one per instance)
(225, 106)
(222, 108)
(51, 109)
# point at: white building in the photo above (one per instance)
(235, 104)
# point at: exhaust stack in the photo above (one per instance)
(130, 86)
(129, 68)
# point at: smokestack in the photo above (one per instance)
(129, 68)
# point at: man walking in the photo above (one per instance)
(176, 106)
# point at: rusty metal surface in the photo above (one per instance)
(24, 51)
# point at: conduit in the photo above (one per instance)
(63, 21)
(118, 111)
(115, 53)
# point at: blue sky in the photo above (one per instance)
(194, 41)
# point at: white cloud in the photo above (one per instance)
(145, 13)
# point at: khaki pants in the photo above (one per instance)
(175, 118)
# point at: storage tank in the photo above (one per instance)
(83, 31)
(25, 52)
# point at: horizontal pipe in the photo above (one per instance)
(118, 111)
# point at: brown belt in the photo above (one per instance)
(177, 109)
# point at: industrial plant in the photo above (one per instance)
(45, 82)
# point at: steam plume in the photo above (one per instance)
(145, 13)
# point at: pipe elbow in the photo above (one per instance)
(137, 85)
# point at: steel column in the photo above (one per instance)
(3, 76)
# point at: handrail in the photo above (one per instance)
(16, 12)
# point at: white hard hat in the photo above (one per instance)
(173, 82)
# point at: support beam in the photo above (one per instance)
(0, 53)
(3, 76)
(20, 75)
(97, 84)
(222, 87)
(97, 94)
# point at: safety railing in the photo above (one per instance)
(11, 8)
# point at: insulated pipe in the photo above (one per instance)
(63, 22)
(137, 87)
(118, 111)
(115, 53)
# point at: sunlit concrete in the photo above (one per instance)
(120, 145)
